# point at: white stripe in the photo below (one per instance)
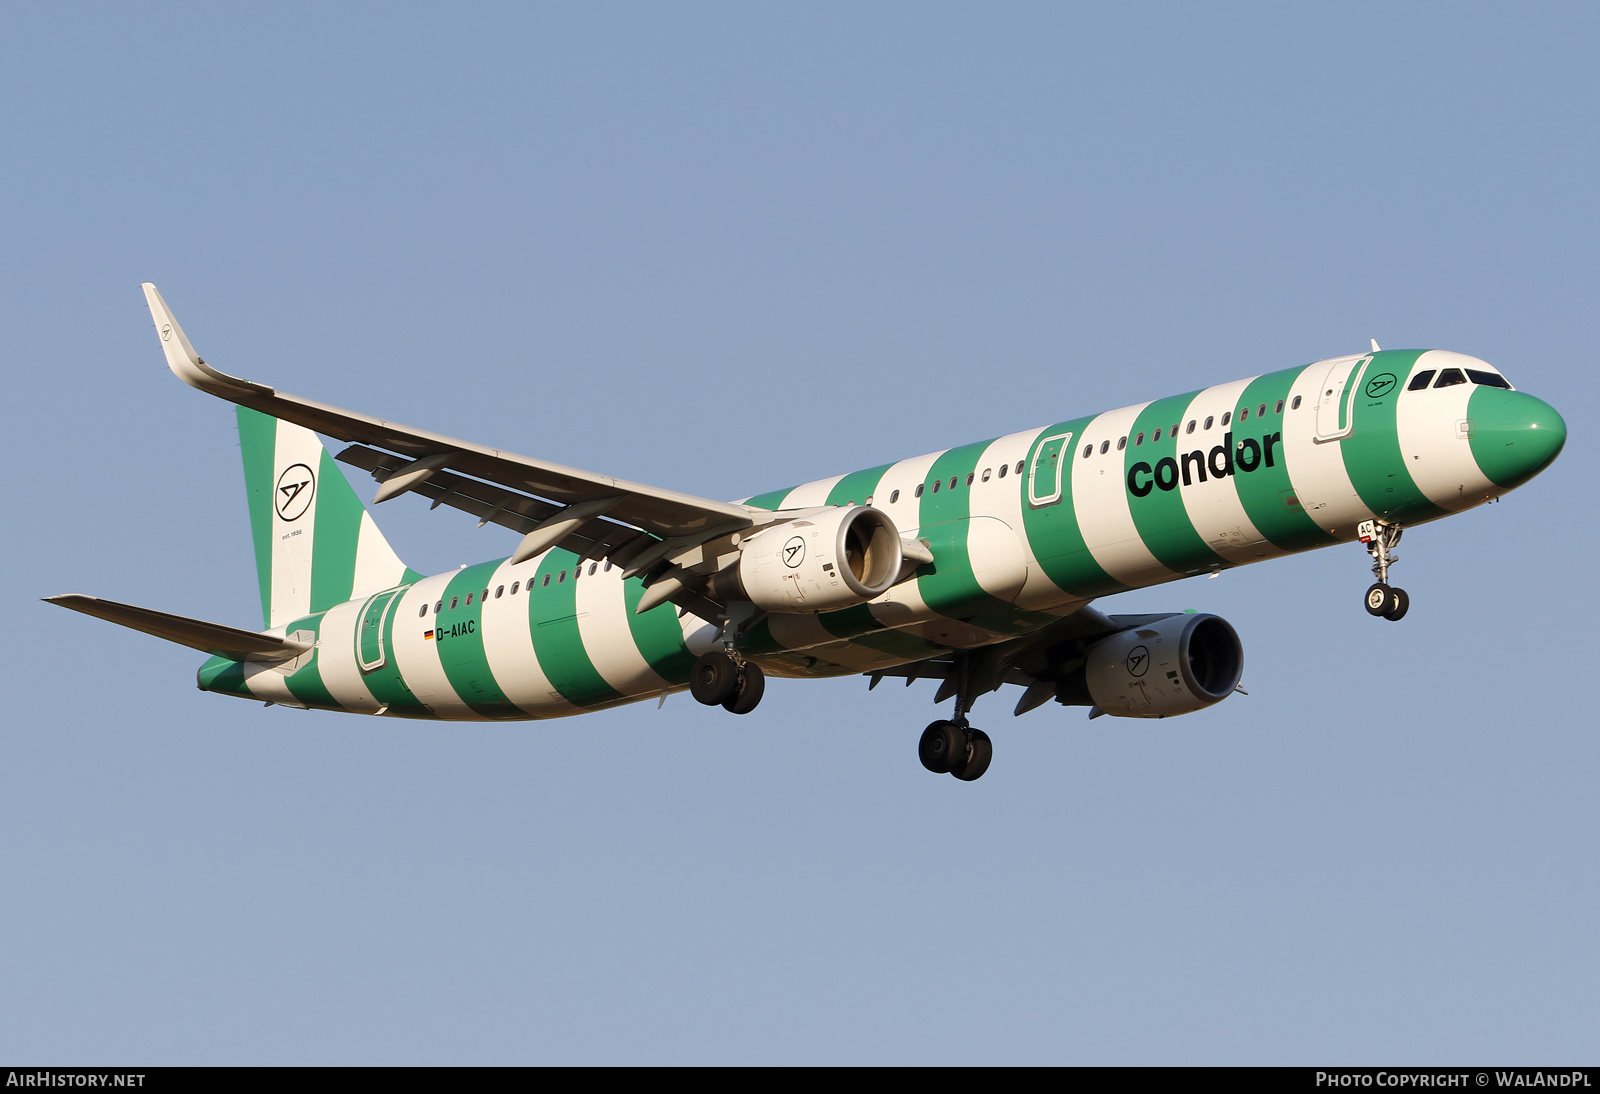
(508, 644)
(607, 637)
(418, 657)
(1316, 471)
(1100, 499)
(810, 494)
(292, 540)
(1439, 460)
(336, 658)
(1213, 506)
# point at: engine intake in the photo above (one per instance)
(1175, 665)
(825, 562)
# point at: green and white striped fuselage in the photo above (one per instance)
(1024, 529)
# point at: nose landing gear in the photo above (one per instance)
(1380, 536)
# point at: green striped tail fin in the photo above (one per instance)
(316, 544)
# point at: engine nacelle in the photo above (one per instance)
(833, 560)
(1175, 665)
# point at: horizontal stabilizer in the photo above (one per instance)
(230, 642)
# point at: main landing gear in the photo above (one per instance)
(954, 747)
(723, 678)
(1381, 537)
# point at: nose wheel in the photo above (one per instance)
(1382, 599)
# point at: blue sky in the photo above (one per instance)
(725, 249)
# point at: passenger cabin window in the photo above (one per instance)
(970, 476)
(439, 607)
(1261, 411)
(423, 612)
(1019, 467)
(1088, 450)
(917, 493)
(469, 600)
(1137, 441)
(1279, 408)
(1173, 432)
(985, 474)
(485, 595)
(454, 600)
(1190, 429)
(1226, 417)
(500, 590)
(936, 484)
(1488, 379)
(952, 482)
(546, 580)
(1156, 438)
(1209, 421)
(562, 578)
(1450, 377)
(1421, 380)
(515, 585)
(1244, 416)
(1122, 443)
(1105, 446)
(1003, 469)
(1296, 404)
(894, 496)
(592, 566)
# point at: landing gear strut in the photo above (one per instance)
(1381, 537)
(723, 678)
(954, 747)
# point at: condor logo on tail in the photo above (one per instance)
(1223, 460)
(296, 487)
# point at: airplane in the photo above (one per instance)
(974, 566)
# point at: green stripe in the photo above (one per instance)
(856, 487)
(1053, 532)
(387, 684)
(458, 635)
(1160, 517)
(770, 500)
(657, 634)
(1372, 455)
(333, 542)
(258, 443)
(949, 585)
(557, 642)
(305, 684)
(223, 676)
(1269, 496)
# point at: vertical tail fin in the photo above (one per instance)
(316, 544)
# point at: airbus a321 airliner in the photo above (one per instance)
(974, 566)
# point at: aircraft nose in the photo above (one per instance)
(1514, 435)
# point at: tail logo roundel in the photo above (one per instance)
(296, 487)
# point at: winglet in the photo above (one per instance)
(185, 363)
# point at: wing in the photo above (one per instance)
(1038, 662)
(551, 505)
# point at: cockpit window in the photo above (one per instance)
(1420, 380)
(1450, 377)
(1487, 379)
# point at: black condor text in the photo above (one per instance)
(1220, 461)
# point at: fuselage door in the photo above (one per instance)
(371, 654)
(1336, 397)
(1044, 470)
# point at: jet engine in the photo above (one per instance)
(1175, 665)
(822, 563)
